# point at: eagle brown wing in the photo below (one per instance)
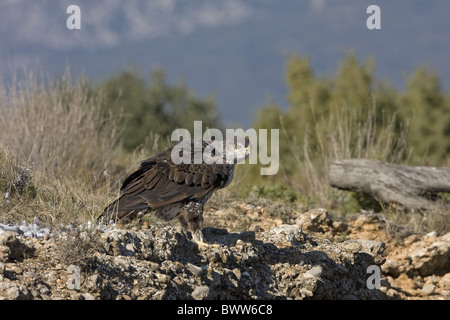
(159, 182)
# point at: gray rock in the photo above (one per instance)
(432, 259)
(164, 263)
(204, 293)
(11, 291)
(444, 283)
(391, 267)
(428, 289)
(315, 271)
(352, 245)
(196, 271)
(9, 240)
(315, 220)
(88, 296)
(374, 248)
(221, 236)
(5, 252)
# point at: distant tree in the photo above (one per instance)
(427, 109)
(304, 87)
(308, 99)
(353, 84)
(157, 107)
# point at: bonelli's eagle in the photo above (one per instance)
(177, 182)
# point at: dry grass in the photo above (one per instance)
(78, 247)
(59, 134)
(342, 135)
(56, 126)
(436, 219)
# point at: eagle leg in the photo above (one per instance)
(191, 218)
(197, 236)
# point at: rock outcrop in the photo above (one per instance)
(313, 257)
(164, 263)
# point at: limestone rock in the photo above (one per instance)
(204, 293)
(164, 263)
(286, 261)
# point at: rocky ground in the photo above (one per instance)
(305, 255)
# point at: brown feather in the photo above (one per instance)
(189, 178)
(205, 178)
(149, 176)
(172, 172)
(133, 187)
(212, 179)
(166, 170)
(154, 181)
(197, 178)
(205, 182)
(179, 176)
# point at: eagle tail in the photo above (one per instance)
(111, 212)
(125, 208)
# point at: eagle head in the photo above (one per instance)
(237, 149)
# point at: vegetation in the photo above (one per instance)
(57, 145)
(66, 145)
(155, 108)
(351, 114)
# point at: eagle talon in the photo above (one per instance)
(198, 238)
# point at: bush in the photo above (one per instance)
(157, 108)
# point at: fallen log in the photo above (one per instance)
(406, 187)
